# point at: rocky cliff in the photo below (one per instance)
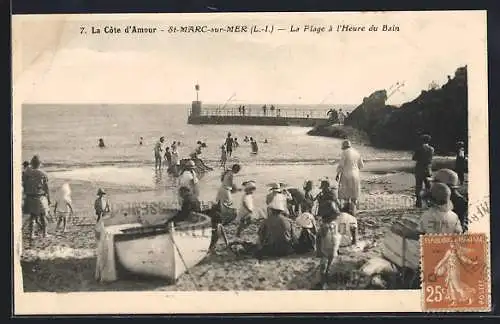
(440, 112)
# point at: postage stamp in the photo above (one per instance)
(455, 273)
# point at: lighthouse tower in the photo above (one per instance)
(196, 105)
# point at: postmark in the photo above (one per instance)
(455, 273)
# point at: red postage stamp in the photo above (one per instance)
(455, 273)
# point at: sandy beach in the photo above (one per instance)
(66, 262)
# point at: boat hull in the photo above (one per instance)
(164, 252)
(401, 244)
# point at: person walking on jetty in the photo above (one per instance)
(246, 211)
(37, 196)
(460, 203)
(63, 208)
(229, 145)
(348, 174)
(423, 167)
(440, 218)
(188, 179)
(101, 205)
(461, 162)
(158, 150)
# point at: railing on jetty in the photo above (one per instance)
(255, 112)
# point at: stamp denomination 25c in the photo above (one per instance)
(455, 273)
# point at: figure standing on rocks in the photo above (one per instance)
(461, 161)
(348, 174)
(423, 167)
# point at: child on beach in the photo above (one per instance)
(223, 157)
(307, 237)
(101, 205)
(245, 214)
(328, 241)
(325, 198)
(440, 218)
(63, 206)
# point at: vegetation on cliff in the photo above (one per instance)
(440, 112)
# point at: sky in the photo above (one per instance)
(54, 63)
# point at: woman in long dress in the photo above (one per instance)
(348, 174)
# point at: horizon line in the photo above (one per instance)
(182, 103)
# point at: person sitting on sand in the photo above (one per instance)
(278, 189)
(423, 167)
(101, 205)
(325, 198)
(223, 157)
(307, 237)
(190, 204)
(460, 203)
(188, 179)
(461, 162)
(328, 241)
(37, 196)
(276, 235)
(246, 211)
(63, 208)
(440, 218)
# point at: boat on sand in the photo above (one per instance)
(158, 250)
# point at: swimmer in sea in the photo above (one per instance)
(101, 143)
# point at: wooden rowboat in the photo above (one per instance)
(161, 250)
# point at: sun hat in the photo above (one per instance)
(249, 184)
(100, 192)
(440, 195)
(448, 177)
(275, 186)
(190, 164)
(305, 220)
(346, 144)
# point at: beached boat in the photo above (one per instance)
(161, 250)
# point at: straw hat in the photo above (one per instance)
(275, 186)
(190, 164)
(249, 185)
(305, 220)
(100, 192)
(448, 177)
(440, 194)
(346, 144)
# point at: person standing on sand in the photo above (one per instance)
(101, 205)
(461, 161)
(188, 179)
(246, 211)
(63, 208)
(423, 167)
(229, 145)
(348, 174)
(37, 196)
(325, 198)
(158, 150)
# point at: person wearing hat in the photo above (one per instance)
(348, 173)
(325, 198)
(278, 193)
(246, 211)
(276, 235)
(440, 218)
(158, 150)
(328, 241)
(37, 196)
(423, 167)
(460, 203)
(101, 205)
(347, 225)
(188, 179)
(461, 161)
(307, 237)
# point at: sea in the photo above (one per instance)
(66, 136)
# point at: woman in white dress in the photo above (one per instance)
(348, 174)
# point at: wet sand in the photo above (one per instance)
(66, 262)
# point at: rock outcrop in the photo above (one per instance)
(440, 112)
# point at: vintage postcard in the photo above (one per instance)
(251, 162)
